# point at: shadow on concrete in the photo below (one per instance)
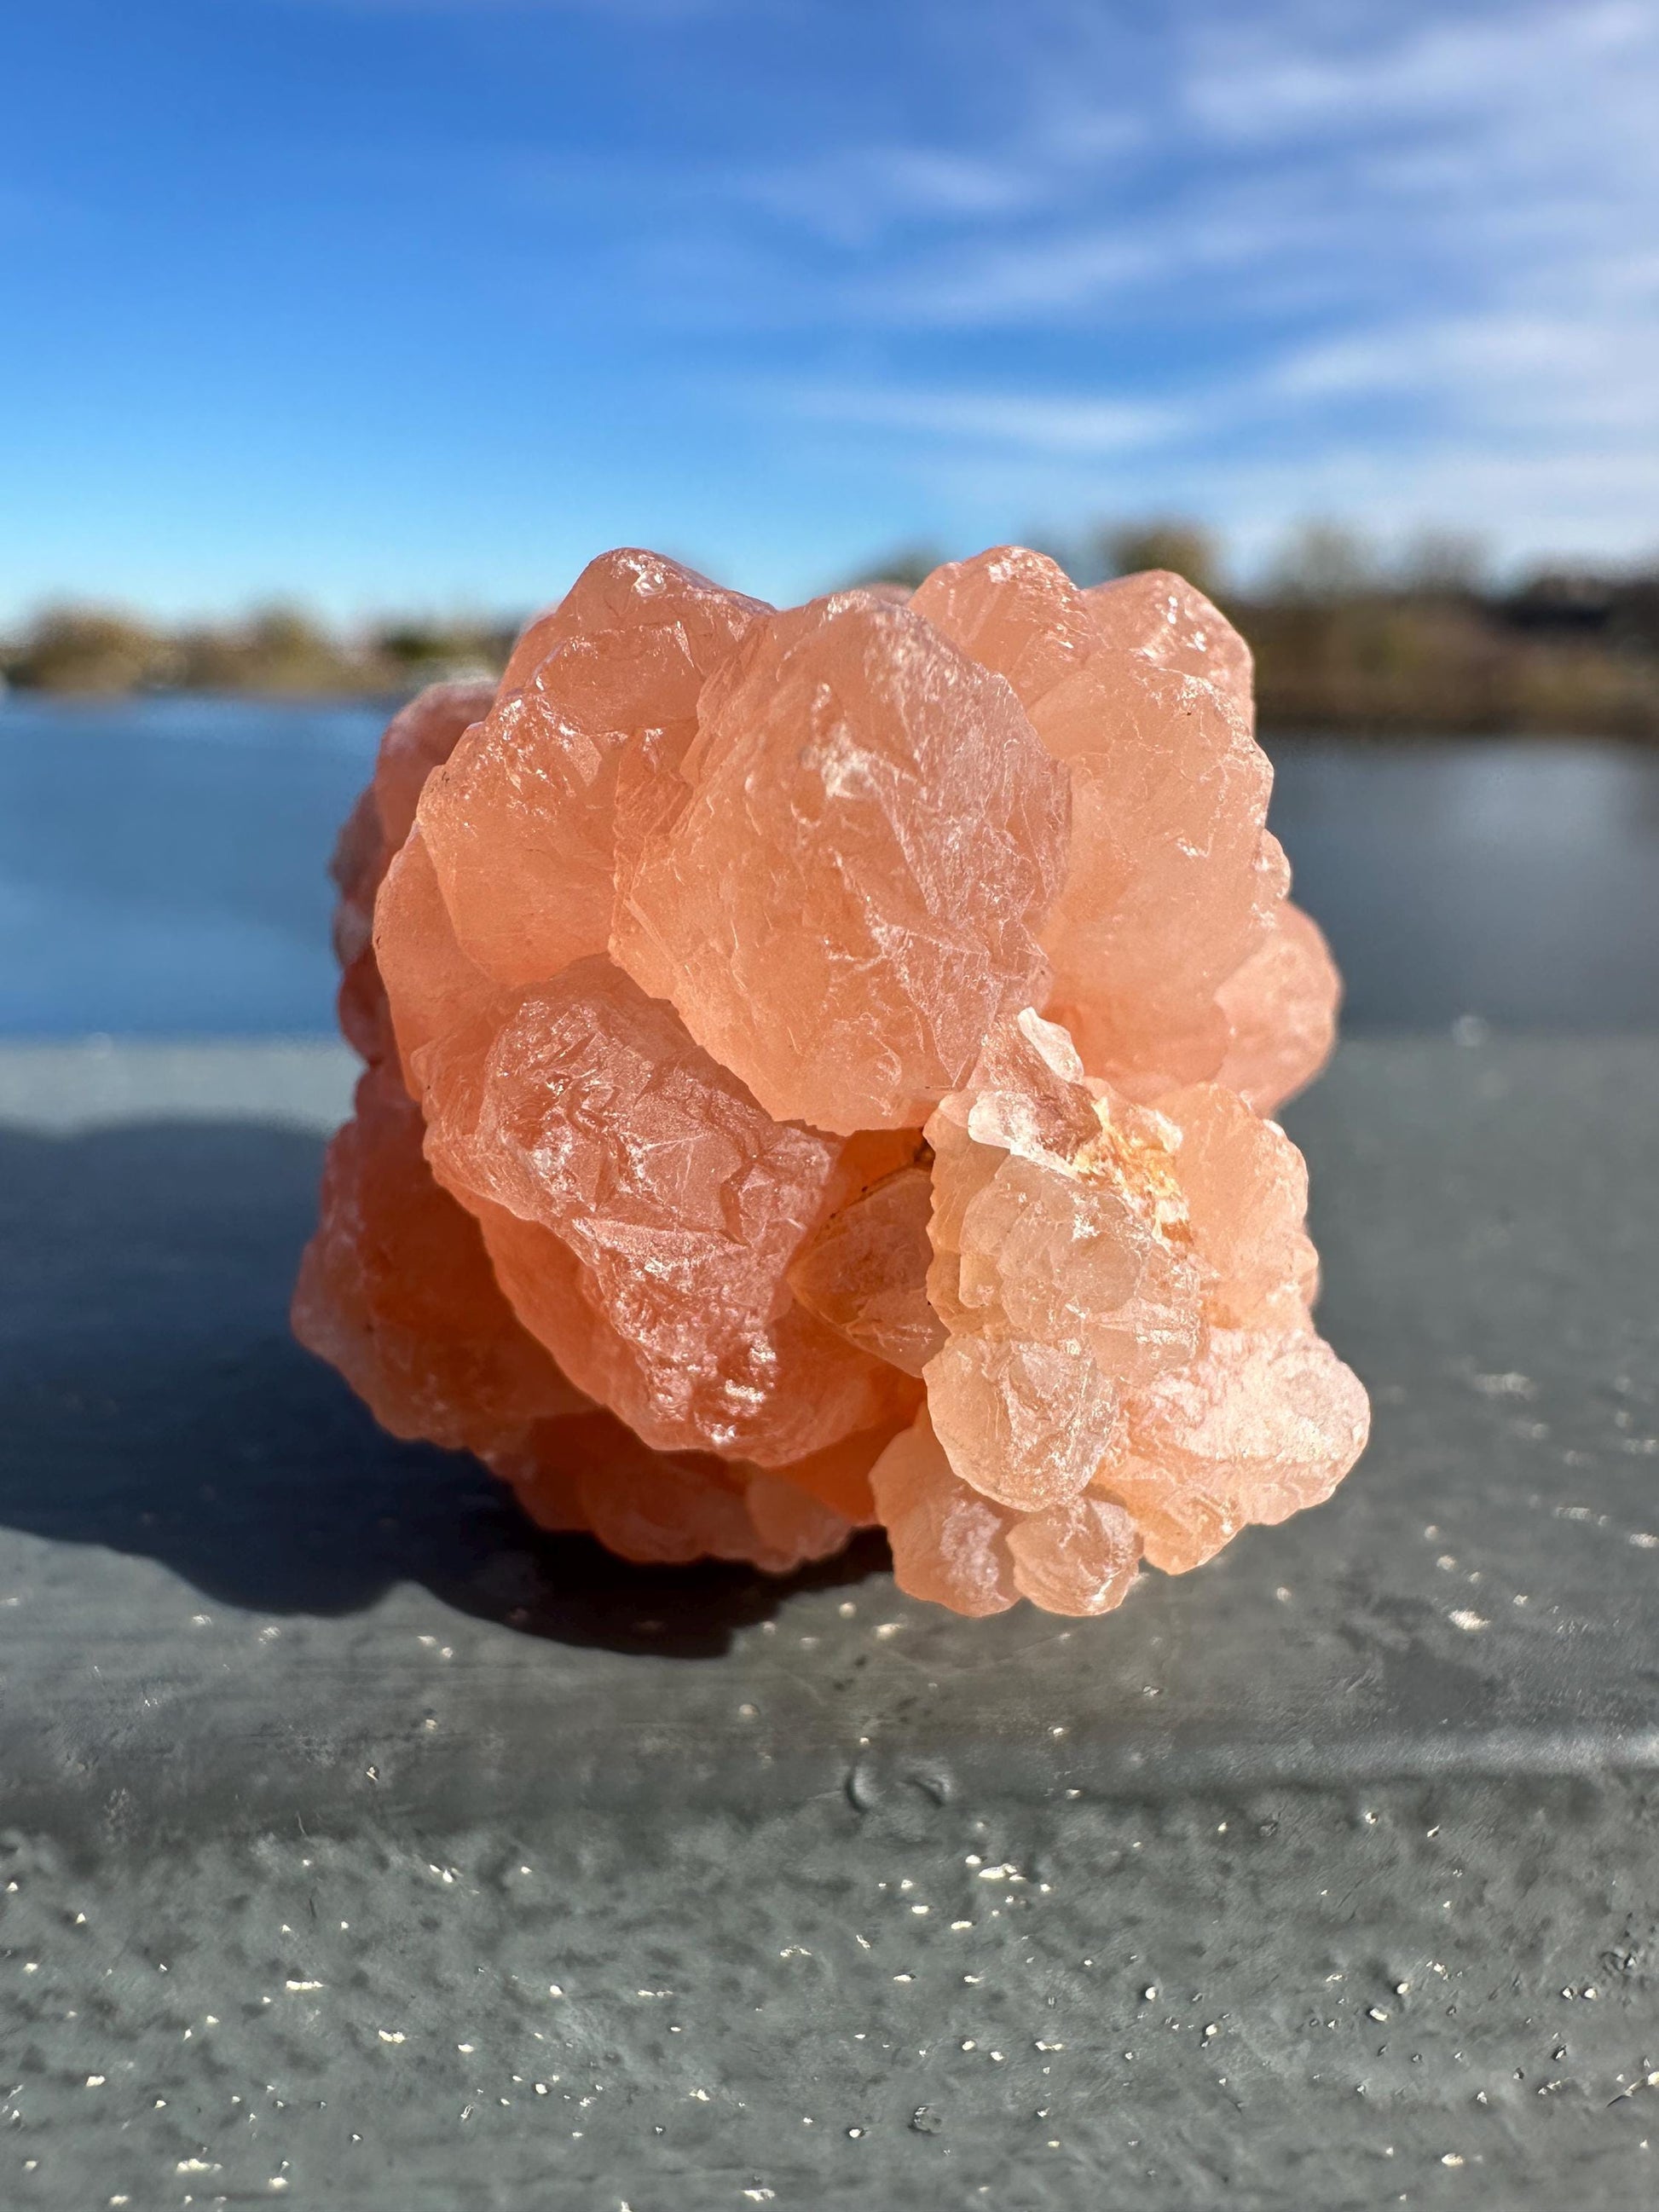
(153, 1401)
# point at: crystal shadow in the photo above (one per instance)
(158, 1405)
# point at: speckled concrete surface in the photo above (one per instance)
(362, 1849)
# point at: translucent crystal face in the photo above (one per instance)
(845, 895)
(816, 1072)
(1125, 1293)
(521, 822)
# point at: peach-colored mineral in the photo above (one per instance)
(415, 741)
(1125, 1292)
(397, 1290)
(586, 1113)
(519, 820)
(1280, 1009)
(818, 1072)
(664, 1509)
(1174, 882)
(846, 894)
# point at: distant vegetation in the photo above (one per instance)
(1344, 640)
(279, 651)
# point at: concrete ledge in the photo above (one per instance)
(417, 1811)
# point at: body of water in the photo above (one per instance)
(161, 870)
(161, 863)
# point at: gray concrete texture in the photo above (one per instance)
(362, 1849)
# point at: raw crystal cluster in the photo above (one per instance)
(818, 1072)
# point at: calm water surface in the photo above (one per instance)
(161, 870)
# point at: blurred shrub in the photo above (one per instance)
(1322, 564)
(1379, 660)
(424, 652)
(1341, 641)
(87, 650)
(1185, 547)
(905, 564)
(279, 650)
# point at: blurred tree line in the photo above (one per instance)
(1344, 638)
(1347, 639)
(278, 651)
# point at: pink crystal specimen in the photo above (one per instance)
(726, 1174)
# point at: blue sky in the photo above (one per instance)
(420, 302)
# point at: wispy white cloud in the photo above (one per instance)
(1404, 258)
(1062, 275)
(1278, 77)
(1398, 255)
(854, 194)
(1519, 502)
(1527, 371)
(1024, 422)
(1567, 499)
(640, 11)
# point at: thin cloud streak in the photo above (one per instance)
(1447, 229)
(1272, 82)
(646, 11)
(1027, 424)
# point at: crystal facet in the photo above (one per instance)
(844, 897)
